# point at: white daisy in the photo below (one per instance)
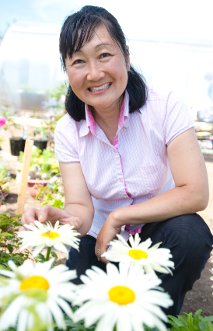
(43, 235)
(141, 253)
(35, 295)
(125, 297)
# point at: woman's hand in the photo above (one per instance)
(50, 214)
(107, 233)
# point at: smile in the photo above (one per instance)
(99, 88)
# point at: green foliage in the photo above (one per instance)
(15, 129)
(40, 133)
(52, 194)
(43, 164)
(4, 179)
(191, 322)
(184, 322)
(4, 175)
(9, 241)
(59, 92)
(71, 326)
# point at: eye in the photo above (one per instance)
(77, 61)
(104, 55)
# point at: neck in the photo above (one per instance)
(108, 117)
(108, 122)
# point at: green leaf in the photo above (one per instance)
(191, 322)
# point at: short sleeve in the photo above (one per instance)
(66, 140)
(178, 118)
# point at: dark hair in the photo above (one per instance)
(76, 31)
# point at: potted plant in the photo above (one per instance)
(17, 145)
(40, 138)
(16, 133)
(43, 167)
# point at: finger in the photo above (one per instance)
(42, 217)
(53, 214)
(44, 214)
(103, 259)
(101, 246)
(29, 216)
(98, 253)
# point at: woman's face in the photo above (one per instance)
(97, 73)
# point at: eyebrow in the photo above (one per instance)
(103, 45)
(97, 47)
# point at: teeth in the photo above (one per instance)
(99, 88)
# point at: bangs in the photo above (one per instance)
(81, 34)
(79, 28)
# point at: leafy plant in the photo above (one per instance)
(43, 164)
(191, 322)
(15, 129)
(52, 194)
(9, 241)
(40, 133)
(184, 322)
(57, 95)
(5, 177)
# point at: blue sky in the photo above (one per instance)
(150, 19)
(33, 10)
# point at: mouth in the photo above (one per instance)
(101, 88)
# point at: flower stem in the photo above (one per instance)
(48, 253)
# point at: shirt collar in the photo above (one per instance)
(124, 113)
(89, 124)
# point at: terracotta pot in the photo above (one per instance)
(34, 186)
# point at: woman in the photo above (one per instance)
(129, 157)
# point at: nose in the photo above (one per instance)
(95, 72)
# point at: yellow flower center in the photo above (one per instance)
(121, 294)
(138, 254)
(34, 282)
(50, 234)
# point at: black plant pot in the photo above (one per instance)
(17, 145)
(41, 144)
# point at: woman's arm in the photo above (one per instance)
(78, 201)
(190, 194)
(78, 210)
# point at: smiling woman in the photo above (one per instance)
(129, 158)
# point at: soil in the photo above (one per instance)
(200, 297)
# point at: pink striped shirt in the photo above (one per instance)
(135, 167)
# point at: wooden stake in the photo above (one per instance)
(24, 175)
